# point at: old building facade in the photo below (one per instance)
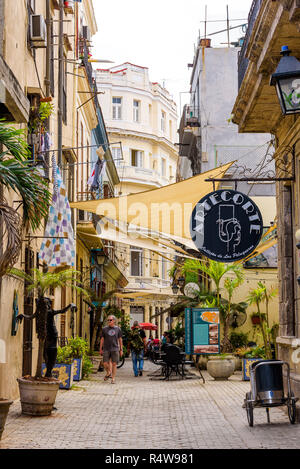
(272, 25)
(141, 123)
(46, 60)
(208, 139)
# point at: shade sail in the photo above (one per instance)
(260, 249)
(112, 235)
(166, 210)
(268, 240)
(140, 294)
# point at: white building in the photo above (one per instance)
(141, 121)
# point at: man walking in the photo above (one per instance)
(137, 344)
(111, 347)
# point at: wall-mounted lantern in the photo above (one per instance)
(286, 79)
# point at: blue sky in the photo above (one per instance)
(161, 35)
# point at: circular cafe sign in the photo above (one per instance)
(226, 226)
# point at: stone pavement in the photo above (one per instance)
(139, 413)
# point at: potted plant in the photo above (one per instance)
(249, 355)
(221, 367)
(257, 296)
(74, 353)
(38, 393)
(63, 369)
(78, 351)
(4, 408)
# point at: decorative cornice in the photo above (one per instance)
(139, 135)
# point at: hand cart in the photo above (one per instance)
(267, 389)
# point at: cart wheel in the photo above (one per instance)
(292, 409)
(249, 409)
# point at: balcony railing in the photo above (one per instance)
(243, 60)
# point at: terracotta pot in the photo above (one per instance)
(37, 396)
(220, 368)
(4, 408)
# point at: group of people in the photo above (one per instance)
(111, 347)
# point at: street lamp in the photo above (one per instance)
(286, 79)
(297, 236)
(175, 288)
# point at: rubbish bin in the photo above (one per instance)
(269, 381)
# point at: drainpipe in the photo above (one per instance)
(60, 82)
(47, 77)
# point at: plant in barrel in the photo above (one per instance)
(41, 282)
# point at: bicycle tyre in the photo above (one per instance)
(249, 409)
(121, 362)
(292, 412)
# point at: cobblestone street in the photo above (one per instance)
(142, 413)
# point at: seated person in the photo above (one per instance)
(169, 340)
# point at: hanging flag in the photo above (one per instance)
(91, 178)
(58, 246)
(97, 172)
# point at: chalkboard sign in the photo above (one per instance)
(202, 331)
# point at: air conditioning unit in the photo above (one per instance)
(38, 31)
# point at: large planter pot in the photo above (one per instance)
(77, 374)
(37, 396)
(220, 368)
(96, 360)
(64, 372)
(4, 408)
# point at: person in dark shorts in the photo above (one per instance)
(111, 347)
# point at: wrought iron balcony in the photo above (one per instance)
(243, 60)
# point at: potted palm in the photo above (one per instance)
(16, 174)
(38, 393)
(257, 296)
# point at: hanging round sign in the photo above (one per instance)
(226, 226)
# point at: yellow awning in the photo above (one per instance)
(165, 210)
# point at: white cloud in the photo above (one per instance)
(161, 34)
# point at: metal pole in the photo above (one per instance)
(47, 78)
(228, 34)
(60, 82)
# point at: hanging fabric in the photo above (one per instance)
(58, 246)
